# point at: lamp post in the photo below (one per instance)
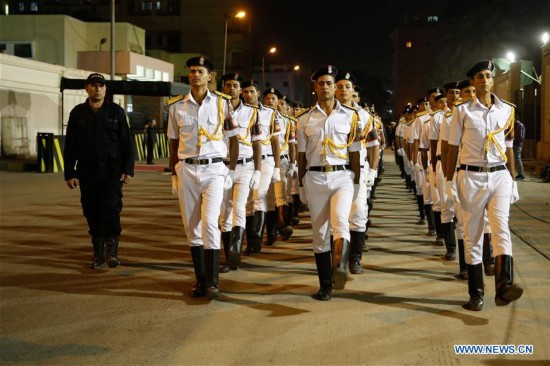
(240, 14)
(271, 50)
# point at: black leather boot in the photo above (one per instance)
(421, 212)
(112, 251)
(506, 290)
(249, 234)
(430, 218)
(356, 251)
(197, 254)
(98, 259)
(488, 259)
(271, 227)
(296, 206)
(463, 269)
(284, 223)
(322, 261)
(226, 241)
(339, 261)
(450, 241)
(439, 239)
(234, 258)
(475, 287)
(257, 232)
(211, 273)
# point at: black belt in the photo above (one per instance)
(203, 161)
(284, 157)
(438, 157)
(265, 156)
(473, 168)
(240, 161)
(328, 168)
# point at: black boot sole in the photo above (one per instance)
(473, 305)
(339, 279)
(511, 294)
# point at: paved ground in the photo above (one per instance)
(404, 310)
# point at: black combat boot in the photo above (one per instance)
(296, 206)
(257, 232)
(463, 269)
(506, 290)
(249, 234)
(339, 262)
(357, 241)
(112, 251)
(439, 239)
(283, 221)
(475, 287)
(234, 258)
(211, 273)
(421, 212)
(430, 218)
(98, 259)
(197, 254)
(450, 240)
(226, 241)
(271, 227)
(322, 261)
(488, 259)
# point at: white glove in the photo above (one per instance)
(382, 147)
(291, 170)
(417, 167)
(401, 152)
(355, 191)
(228, 183)
(515, 193)
(450, 189)
(411, 165)
(255, 181)
(175, 185)
(302, 192)
(276, 175)
(371, 175)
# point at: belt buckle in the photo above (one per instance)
(329, 169)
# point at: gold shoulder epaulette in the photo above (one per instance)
(350, 107)
(222, 94)
(448, 114)
(463, 101)
(434, 112)
(267, 106)
(289, 117)
(510, 104)
(175, 99)
(420, 114)
(250, 105)
(303, 112)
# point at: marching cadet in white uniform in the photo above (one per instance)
(484, 128)
(197, 124)
(296, 108)
(345, 84)
(247, 173)
(258, 202)
(329, 172)
(422, 116)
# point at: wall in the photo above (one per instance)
(543, 147)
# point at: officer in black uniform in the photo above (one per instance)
(99, 159)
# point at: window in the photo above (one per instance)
(21, 6)
(408, 44)
(146, 6)
(34, 7)
(433, 19)
(20, 49)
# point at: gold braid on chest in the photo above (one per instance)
(490, 138)
(287, 136)
(217, 135)
(329, 144)
(244, 139)
(267, 141)
(366, 131)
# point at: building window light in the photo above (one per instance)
(408, 44)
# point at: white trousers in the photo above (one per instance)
(233, 211)
(478, 191)
(260, 194)
(200, 193)
(329, 197)
(359, 210)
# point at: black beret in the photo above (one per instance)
(357, 88)
(463, 84)
(273, 91)
(251, 82)
(441, 96)
(287, 99)
(346, 76)
(480, 66)
(325, 70)
(451, 85)
(233, 76)
(422, 100)
(435, 90)
(297, 104)
(200, 61)
(95, 78)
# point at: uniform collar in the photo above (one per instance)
(189, 97)
(497, 103)
(337, 107)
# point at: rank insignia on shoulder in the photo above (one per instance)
(420, 114)
(173, 100)
(463, 101)
(448, 114)
(303, 112)
(222, 94)
(510, 104)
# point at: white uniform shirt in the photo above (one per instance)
(314, 126)
(471, 123)
(287, 135)
(424, 140)
(400, 126)
(366, 121)
(435, 128)
(185, 119)
(268, 117)
(246, 116)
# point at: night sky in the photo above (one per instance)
(357, 35)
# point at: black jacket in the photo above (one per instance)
(98, 142)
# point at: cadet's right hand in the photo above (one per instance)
(72, 183)
(175, 185)
(255, 180)
(401, 152)
(302, 192)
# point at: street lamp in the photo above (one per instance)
(271, 50)
(240, 14)
(510, 56)
(545, 38)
